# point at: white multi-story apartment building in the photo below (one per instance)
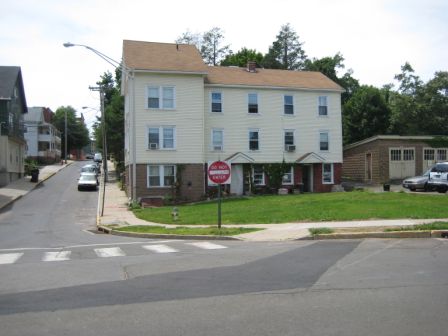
(181, 114)
(42, 137)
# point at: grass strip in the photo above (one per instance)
(321, 230)
(421, 227)
(181, 230)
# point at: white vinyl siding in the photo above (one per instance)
(271, 121)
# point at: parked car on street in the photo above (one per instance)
(438, 177)
(98, 157)
(87, 181)
(90, 168)
(417, 182)
(89, 156)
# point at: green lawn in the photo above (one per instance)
(306, 207)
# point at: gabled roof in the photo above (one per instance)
(171, 57)
(239, 157)
(271, 78)
(9, 76)
(390, 137)
(310, 157)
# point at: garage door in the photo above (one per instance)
(401, 162)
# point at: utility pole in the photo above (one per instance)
(103, 127)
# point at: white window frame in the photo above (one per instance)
(161, 97)
(258, 138)
(248, 103)
(328, 141)
(220, 102)
(161, 143)
(284, 105)
(319, 106)
(293, 137)
(263, 180)
(213, 145)
(331, 173)
(291, 177)
(161, 175)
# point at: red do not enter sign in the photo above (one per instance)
(219, 172)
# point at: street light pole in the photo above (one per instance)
(130, 73)
(65, 134)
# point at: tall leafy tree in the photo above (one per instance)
(212, 48)
(366, 114)
(286, 51)
(242, 57)
(77, 132)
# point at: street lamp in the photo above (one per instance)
(130, 76)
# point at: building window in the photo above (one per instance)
(395, 155)
(161, 97)
(217, 139)
(441, 154)
(323, 105)
(161, 175)
(288, 104)
(162, 137)
(254, 141)
(428, 154)
(324, 143)
(216, 102)
(258, 175)
(253, 103)
(288, 138)
(288, 178)
(327, 173)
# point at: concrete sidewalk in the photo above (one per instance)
(19, 188)
(116, 212)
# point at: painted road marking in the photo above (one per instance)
(57, 256)
(109, 252)
(208, 246)
(9, 258)
(160, 248)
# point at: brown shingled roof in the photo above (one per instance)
(162, 57)
(271, 78)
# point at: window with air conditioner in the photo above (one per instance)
(162, 137)
(288, 140)
(217, 139)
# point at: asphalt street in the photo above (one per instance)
(59, 278)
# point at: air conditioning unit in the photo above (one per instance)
(290, 148)
(217, 148)
(153, 146)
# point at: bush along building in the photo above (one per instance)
(181, 114)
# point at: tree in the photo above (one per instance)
(212, 50)
(286, 52)
(366, 114)
(77, 132)
(190, 38)
(242, 57)
(113, 116)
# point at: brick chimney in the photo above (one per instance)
(252, 66)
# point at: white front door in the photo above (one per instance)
(237, 182)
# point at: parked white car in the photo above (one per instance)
(438, 177)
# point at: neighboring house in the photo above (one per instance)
(42, 137)
(12, 108)
(188, 114)
(383, 158)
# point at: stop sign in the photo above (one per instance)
(219, 172)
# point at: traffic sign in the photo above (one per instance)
(219, 172)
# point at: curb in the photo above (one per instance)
(397, 234)
(162, 236)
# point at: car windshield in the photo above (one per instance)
(87, 178)
(442, 168)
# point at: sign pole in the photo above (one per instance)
(219, 206)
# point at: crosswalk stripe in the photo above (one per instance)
(208, 246)
(160, 248)
(109, 252)
(57, 256)
(9, 258)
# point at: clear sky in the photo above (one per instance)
(375, 37)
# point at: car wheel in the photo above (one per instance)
(412, 188)
(442, 190)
